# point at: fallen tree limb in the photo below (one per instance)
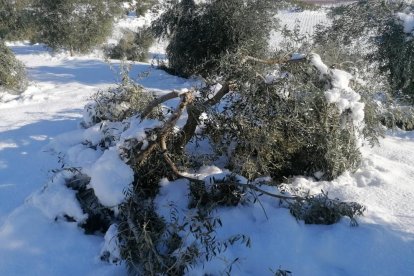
(162, 133)
(179, 174)
(194, 114)
(158, 101)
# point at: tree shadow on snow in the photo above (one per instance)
(24, 164)
(97, 72)
(29, 49)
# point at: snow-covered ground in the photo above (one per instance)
(48, 114)
(307, 20)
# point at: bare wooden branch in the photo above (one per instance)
(186, 99)
(274, 61)
(257, 189)
(145, 153)
(158, 101)
(168, 160)
(179, 174)
(219, 95)
(194, 114)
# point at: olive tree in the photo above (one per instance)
(12, 71)
(16, 20)
(75, 25)
(378, 33)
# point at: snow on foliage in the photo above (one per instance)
(110, 178)
(340, 93)
(57, 201)
(110, 249)
(137, 130)
(407, 20)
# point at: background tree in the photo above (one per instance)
(16, 20)
(132, 46)
(374, 31)
(12, 72)
(75, 25)
(201, 33)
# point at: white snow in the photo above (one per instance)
(41, 127)
(110, 178)
(307, 21)
(407, 20)
(56, 200)
(340, 93)
(111, 244)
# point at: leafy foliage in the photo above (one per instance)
(17, 21)
(371, 30)
(396, 54)
(284, 126)
(12, 71)
(117, 103)
(320, 209)
(153, 245)
(75, 25)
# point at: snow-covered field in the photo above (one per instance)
(46, 117)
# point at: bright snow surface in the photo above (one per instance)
(46, 118)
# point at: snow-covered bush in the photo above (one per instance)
(12, 72)
(398, 116)
(75, 25)
(301, 118)
(201, 33)
(132, 46)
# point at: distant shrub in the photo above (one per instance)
(12, 72)
(398, 116)
(200, 34)
(132, 46)
(396, 56)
